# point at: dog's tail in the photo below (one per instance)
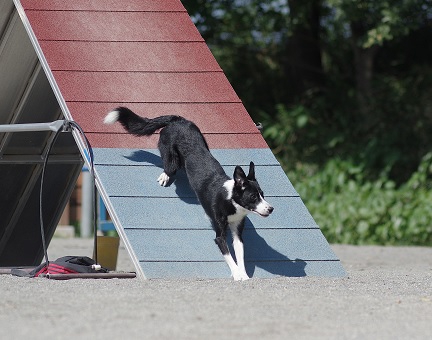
(136, 125)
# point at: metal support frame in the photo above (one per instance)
(78, 139)
(31, 127)
(34, 127)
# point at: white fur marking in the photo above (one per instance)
(229, 187)
(111, 117)
(239, 253)
(235, 271)
(240, 214)
(238, 270)
(240, 211)
(263, 208)
(163, 179)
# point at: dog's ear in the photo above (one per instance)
(251, 174)
(239, 176)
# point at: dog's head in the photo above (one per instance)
(247, 192)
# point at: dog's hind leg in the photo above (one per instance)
(171, 163)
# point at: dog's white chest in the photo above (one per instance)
(240, 214)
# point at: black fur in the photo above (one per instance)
(182, 144)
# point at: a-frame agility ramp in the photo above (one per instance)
(80, 59)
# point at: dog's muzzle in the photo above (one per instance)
(263, 209)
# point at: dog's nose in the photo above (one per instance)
(270, 209)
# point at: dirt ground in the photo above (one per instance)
(386, 295)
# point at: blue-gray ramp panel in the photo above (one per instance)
(169, 235)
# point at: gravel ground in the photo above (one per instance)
(387, 295)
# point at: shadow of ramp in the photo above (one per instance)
(290, 268)
(260, 254)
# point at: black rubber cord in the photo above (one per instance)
(66, 126)
(41, 221)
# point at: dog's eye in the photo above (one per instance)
(253, 197)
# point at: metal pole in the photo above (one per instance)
(53, 126)
(86, 203)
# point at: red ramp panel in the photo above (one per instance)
(148, 55)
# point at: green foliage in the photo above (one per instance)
(393, 143)
(351, 209)
(380, 21)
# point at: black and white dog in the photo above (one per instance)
(226, 201)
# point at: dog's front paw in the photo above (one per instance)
(239, 276)
(163, 179)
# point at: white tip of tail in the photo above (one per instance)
(111, 117)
